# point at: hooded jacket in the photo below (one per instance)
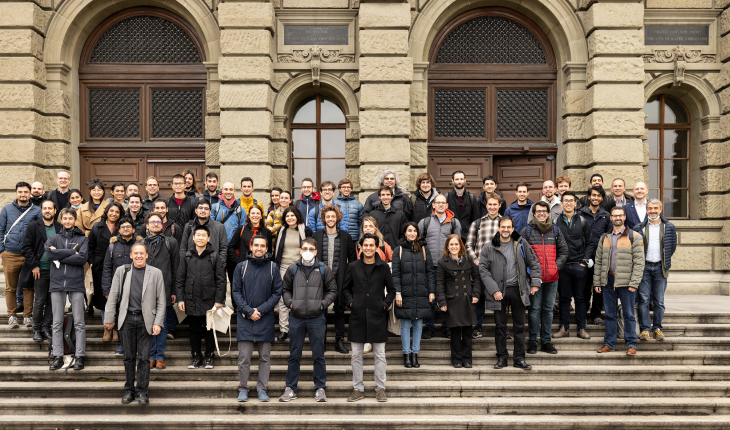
(519, 214)
(435, 233)
(600, 222)
(422, 206)
(212, 198)
(201, 280)
(551, 250)
(414, 277)
(72, 248)
(354, 215)
(117, 255)
(11, 238)
(309, 296)
(231, 216)
(401, 201)
(314, 218)
(305, 204)
(466, 216)
(629, 260)
(390, 223)
(259, 288)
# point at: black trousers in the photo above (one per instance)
(597, 305)
(42, 312)
(137, 346)
(461, 344)
(197, 331)
(512, 299)
(339, 320)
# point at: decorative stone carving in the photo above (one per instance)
(307, 55)
(680, 56)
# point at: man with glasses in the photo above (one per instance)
(352, 206)
(327, 193)
(180, 206)
(153, 192)
(217, 237)
(308, 200)
(401, 197)
(550, 197)
(59, 196)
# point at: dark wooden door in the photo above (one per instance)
(442, 162)
(533, 170)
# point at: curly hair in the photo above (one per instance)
(333, 208)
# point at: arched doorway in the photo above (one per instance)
(142, 99)
(492, 101)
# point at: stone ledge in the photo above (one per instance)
(246, 123)
(26, 42)
(246, 15)
(385, 96)
(385, 15)
(376, 69)
(614, 15)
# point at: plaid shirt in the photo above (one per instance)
(476, 241)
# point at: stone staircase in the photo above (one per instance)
(682, 382)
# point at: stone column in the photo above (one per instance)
(246, 96)
(385, 76)
(212, 120)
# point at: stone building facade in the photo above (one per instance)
(521, 89)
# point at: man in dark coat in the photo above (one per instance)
(256, 289)
(600, 222)
(181, 207)
(462, 203)
(390, 220)
(309, 289)
(218, 239)
(337, 251)
(401, 198)
(366, 280)
(423, 199)
(200, 285)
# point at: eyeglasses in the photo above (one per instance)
(155, 223)
(204, 208)
(568, 202)
(346, 187)
(541, 212)
(327, 190)
(125, 227)
(309, 249)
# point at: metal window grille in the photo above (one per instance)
(459, 113)
(177, 113)
(113, 113)
(522, 113)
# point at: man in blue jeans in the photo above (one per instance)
(618, 271)
(660, 242)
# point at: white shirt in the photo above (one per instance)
(641, 209)
(654, 252)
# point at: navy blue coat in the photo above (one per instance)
(261, 289)
(669, 240)
(632, 217)
(520, 214)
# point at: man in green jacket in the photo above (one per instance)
(619, 268)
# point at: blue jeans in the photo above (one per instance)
(159, 342)
(316, 328)
(611, 297)
(651, 289)
(170, 319)
(541, 311)
(405, 335)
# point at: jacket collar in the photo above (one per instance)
(313, 197)
(449, 215)
(526, 206)
(587, 210)
(497, 244)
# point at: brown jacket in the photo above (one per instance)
(85, 219)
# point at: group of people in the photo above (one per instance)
(415, 255)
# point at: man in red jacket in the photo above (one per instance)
(552, 252)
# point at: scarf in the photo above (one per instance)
(547, 225)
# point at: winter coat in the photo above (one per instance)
(148, 204)
(99, 237)
(201, 281)
(117, 255)
(314, 218)
(231, 217)
(304, 232)
(211, 198)
(401, 201)
(385, 252)
(181, 215)
(85, 218)
(53, 196)
(170, 229)
(354, 215)
(259, 288)
(415, 278)
(607, 204)
(33, 248)
(218, 238)
(305, 204)
(422, 206)
(434, 236)
(308, 296)
(551, 250)
(466, 216)
(72, 249)
(555, 210)
(667, 241)
(11, 238)
(456, 285)
(344, 257)
(194, 194)
(166, 258)
(390, 223)
(483, 204)
(629, 260)
(369, 294)
(519, 214)
(273, 221)
(492, 264)
(238, 247)
(600, 223)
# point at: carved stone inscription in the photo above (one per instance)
(677, 34)
(316, 35)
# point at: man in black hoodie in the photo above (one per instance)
(462, 203)
(600, 222)
(390, 220)
(181, 207)
(211, 188)
(489, 185)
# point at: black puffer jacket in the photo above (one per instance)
(72, 247)
(309, 296)
(390, 223)
(163, 253)
(201, 281)
(344, 255)
(117, 255)
(414, 278)
(422, 207)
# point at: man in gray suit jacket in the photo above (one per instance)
(139, 290)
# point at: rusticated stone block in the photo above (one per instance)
(419, 127)
(630, 173)
(22, 123)
(23, 69)
(280, 153)
(615, 151)
(212, 153)
(724, 51)
(719, 80)
(388, 149)
(9, 175)
(385, 15)
(714, 180)
(21, 42)
(385, 123)
(35, 152)
(386, 69)
(279, 80)
(615, 96)
(615, 124)
(58, 128)
(724, 22)
(22, 96)
(211, 101)
(236, 69)
(246, 123)
(419, 102)
(212, 127)
(577, 176)
(419, 154)
(725, 126)
(722, 258)
(574, 102)
(574, 128)
(699, 238)
(245, 150)
(714, 154)
(352, 153)
(385, 96)
(352, 79)
(352, 133)
(383, 42)
(692, 258)
(280, 133)
(280, 178)
(614, 69)
(609, 42)
(679, 4)
(260, 173)
(58, 102)
(369, 174)
(316, 4)
(614, 15)
(23, 14)
(574, 154)
(245, 42)
(354, 176)
(246, 96)
(246, 15)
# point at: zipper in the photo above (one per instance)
(64, 268)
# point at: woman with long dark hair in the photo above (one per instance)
(92, 211)
(75, 200)
(240, 243)
(191, 185)
(274, 202)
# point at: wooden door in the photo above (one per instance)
(533, 170)
(442, 162)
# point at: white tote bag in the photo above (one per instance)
(220, 320)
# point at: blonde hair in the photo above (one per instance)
(372, 221)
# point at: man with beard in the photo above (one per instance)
(462, 203)
(36, 193)
(599, 221)
(327, 194)
(520, 209)
(211, 192)
(153, 192)
(401, 197)
(389, 218)
(550, 197)
(227, 210)
(597, 181)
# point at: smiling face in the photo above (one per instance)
(178, 185)
(132, 189)
(389, 180)
(258, 248)
(48, 210)
(505, 229)
(36, 189)
(139, 256)
(200, 238)
(489, 186)
(246, 189)
(548, 189)
(493, 207)
(135, 204)
(368, 248)
(541, 213)
(229, 191)
(521, 194)
(97, 193)
(596, 198)
(330, 219)
(23, 195)
(161, 209)
(63, 179)
(113, 214)
(284, 200)
(275, 197)
(385, 198)
(640, 190)
(211, 184)
(618, 188)
(411, 233)
(459, 180)
(291, 220)
(454, 247)
(368, 227)
(68, 221)
(254, 215)
(118, 193)
(152, 187)
(189, 180)
(154, 224)
(75, 199)
(346, 189)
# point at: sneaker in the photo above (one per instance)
(243, 396)
(549, 348)
(171, 334)
(119, 352)
(209, 362)
(367, 348)
(644, 336)
(288, 395)
(427, 334)
(320, 396)
(263, 397)
(380, 396)
(197, 362)
(28, 322)
(599, 321)
(657, 334)
(476, 334)
(355, 396)
(13, 322)
(532, 348)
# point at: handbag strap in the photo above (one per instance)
(230, 340)
(16, 221)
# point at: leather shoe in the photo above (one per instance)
(631, 351)
(457, 365)
(46, 334)
(115, 336)
(153, 364)
(520, 364)
(583, 334)
(605, 348)
(340, 347)
(37, 337)
(561, 333)
(161, 364)
(57, 363)
(501, 363)
(79, 363)
(467, 365)
(128, 398)
(143, 399)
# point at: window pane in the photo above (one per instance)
(675, 144)
(675, 203)
(331, 113)
(652, 111)
(675, 173)
(333, 143)
(177, 113)
(653, 143)
(304, 168)
(307, 113)
(674, 112)
(304, 143)
(114, 113)
(653, 194)
(333, 170)
(653, 173)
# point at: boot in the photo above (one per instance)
(107, 335)
(340, 347)
(57, 363)
(37, 336)
(79, 363)
(197, 361)
(414, 360)
(407, 361)
(46, 334)
(115, 336)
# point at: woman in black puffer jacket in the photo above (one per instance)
(415, 285)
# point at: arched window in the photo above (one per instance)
(668, 125)
(318, 142)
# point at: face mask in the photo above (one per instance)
(654, 219)
(75, 206)
(307, 256)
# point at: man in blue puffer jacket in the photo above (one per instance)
(327, 192)
(14, 218)
(353, 208)
(227, 210)
(519, 210)
(307, 200)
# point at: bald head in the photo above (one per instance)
(640, 191)
(36, 189)
(229, 191)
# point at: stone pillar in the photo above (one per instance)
(385, 75)
(34, 120)
(607, 140)
(246, 96)
(212, 120)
